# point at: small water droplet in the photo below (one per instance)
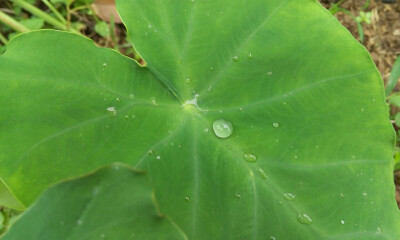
(275, 124)
(104, 64)
(342, 222)
(102, 235)
(289, 196)
(153, 101)
(149, 26)
(79, 222)
(262, 173)
(158, 157)
(126, 117)
(187, 81)
(295, 156)
(303, 218)
(364, 194)
(211, 69)
(250, 157)
(272, 238)
(151, 152)
(269, 73)
(113, 110)
(187, 199)
(131, 96)
(362, 110)
(235, 58)
(133, 116)
(118, 99)
(222, 128)
(342, 195)
(206, 130)
(238, 196)
(250, 55)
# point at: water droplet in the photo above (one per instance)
(222, 128)
(342, 195)
(126, 117)
(250, 55)
(364, 194)
(342, 221)
(154, 101)
(187, 199)
(102, 235)
(235, 58)
(269, 73)
(295, 156)
(113, 110)
(151, 152)
(206, 130)
(250, 157)
(275, 124)
(79, 222)
(158, 157)
(262, 173)
(211, 69)
(362, 110)
(149, 26)
(272, 238)
(104, 64)
(238, 196)
(209, 89)
(187, 81)
(304, 219)
(289, 196)
(118, 99)
(132, 96)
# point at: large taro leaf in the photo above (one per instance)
(305, 101)
(80, 209)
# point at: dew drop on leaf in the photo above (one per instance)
(250, 55)
(187, 80)
(250, 157)
(235, 58)
(187, 199)
(211, 69)
(342, 222)
(289, 196)
(269, 73)
(303, 218)
(275, 124)
(262, 173)
(131, 96)
(222, 128)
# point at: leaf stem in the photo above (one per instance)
(12, 23)
(55, 11)
(46, 17)
(3, 39)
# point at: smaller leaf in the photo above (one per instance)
(394, 100)
(394, 77)
(102, 29)
(115, 202)
(33, 23)
(397, 119)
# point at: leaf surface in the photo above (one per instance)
(310, 155)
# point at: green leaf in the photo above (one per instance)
(394, 99)
(103, 29)
(309, 153)
(32, 23)
(80, 209)
(394, 77)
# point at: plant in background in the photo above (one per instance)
(248, 122)
(363, 16)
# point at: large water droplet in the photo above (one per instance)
(250, 157)
(222, 128)
(289, 196)
(303, 218)
(235, 58)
